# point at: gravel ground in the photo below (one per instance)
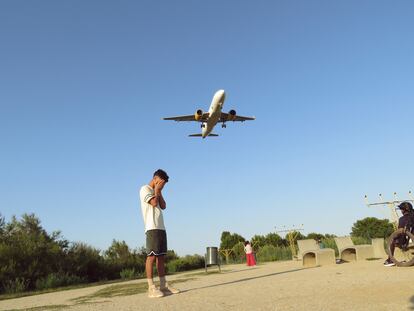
(280, 286)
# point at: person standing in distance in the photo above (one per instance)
(248, 249)
(152, 204)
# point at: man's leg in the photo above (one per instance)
(161, 266)
(392, 248)
(153, 291)
(161, 273)
(389, 262)
(149, 264)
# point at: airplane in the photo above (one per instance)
(214, 115)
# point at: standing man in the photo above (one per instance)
(152, 204)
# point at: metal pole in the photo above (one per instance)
(391, 206)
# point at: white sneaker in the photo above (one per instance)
(154, 292)
(169, 289)
(389, 263)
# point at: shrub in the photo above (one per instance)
(266, 253)
(85, 260)
(360, 240)
(272, 253)
(54, 280)
(371, 227)
(330, 243)
(185, 263)
(17, 285)
(283, 253)
(128, 274)
(238, 255)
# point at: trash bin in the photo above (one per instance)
(211, 257)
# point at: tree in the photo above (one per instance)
(258, 241)
(228, 240)
(119, 252)
(315, 236)
(296, 234)
(28, 252)
(85, 261)
(238, 251)
(372, 227)
(171, 255)
(2, 228)
(274, 239)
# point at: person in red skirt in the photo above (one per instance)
(249, 254)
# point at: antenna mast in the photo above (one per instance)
(291, 235)
(391, 205)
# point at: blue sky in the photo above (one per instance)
(84, 85)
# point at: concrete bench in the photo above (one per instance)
(350, 252)
(312, 255)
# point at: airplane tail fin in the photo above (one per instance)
(200, 135)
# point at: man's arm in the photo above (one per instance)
(163, 205)
(158, 198)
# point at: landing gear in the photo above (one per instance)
(223, 125)
(203, 125)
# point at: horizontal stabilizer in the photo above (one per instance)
(200, 135)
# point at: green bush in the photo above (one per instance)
(54, 280)
(330, 243)
(371, 227)
(360, 240)
(272, 253)
(266, 253)
(85, 260)
(238, 255)
(128, 274)
(185, 263)
(283, 253)
(28, 253)
(18, 285)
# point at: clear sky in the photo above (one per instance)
(84, 85)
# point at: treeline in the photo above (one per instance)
(33, 259)
(269, 247)
(272, 247)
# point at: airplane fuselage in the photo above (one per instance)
(210, 118)
(214, 113)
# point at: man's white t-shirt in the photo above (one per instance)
(152, 215)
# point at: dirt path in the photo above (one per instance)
(277, 286)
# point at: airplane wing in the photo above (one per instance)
(190, 117)
(200, 135)
(227, 117)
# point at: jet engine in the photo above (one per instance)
(198, 115)
(232, 115)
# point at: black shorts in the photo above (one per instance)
(156, 242)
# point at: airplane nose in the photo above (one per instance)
(221, 95)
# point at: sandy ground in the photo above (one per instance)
(277, 286)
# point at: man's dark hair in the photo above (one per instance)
(161, 174)
(406, 206)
